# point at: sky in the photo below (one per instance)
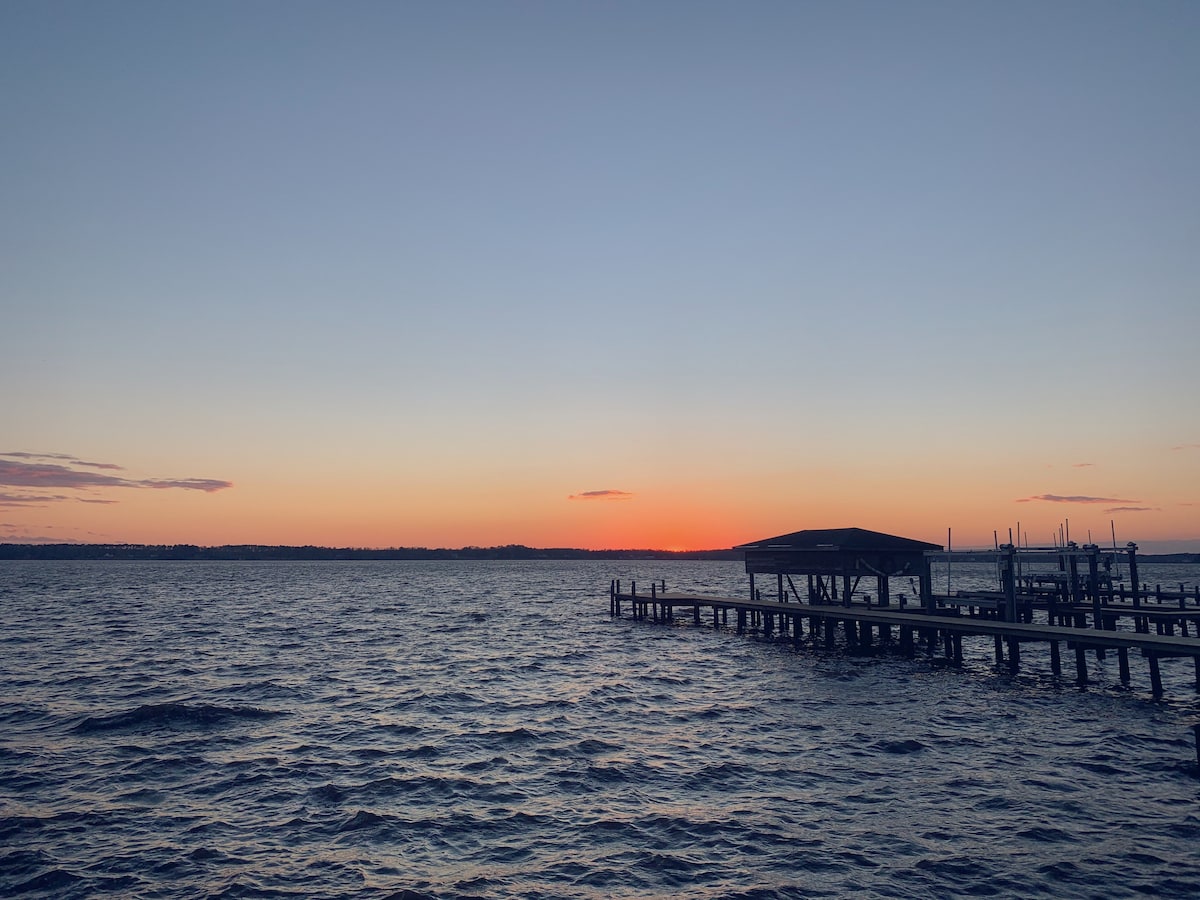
(676, 275)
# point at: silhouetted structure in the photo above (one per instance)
(829, 553)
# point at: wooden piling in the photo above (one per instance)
(1156, 686)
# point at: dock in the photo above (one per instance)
(862, 628)
(1075, 609)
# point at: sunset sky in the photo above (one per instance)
(599, 274)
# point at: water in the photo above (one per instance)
(408, 730)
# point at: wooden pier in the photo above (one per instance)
(867, 628)
(1078, 610)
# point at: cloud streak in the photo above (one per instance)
(27, 500)
(1120, 509)
(601, 495)
(65, 457)
(1075, 498)
(48, 471)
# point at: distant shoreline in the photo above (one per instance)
(251, 552)
(261, 552)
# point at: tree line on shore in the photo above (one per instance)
(279, 552)
(262, 552)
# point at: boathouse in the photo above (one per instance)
(830, 553)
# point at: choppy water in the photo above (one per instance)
(413, 730)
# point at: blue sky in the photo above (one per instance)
(745, 263)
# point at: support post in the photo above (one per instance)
(927, 601)
(1156, 687)
(1094, 584)
(1008, 577)
(1134, 584)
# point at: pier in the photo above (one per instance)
(1075, 607)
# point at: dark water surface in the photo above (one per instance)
(400, 729)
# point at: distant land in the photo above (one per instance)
(261, 552)
(509, 551)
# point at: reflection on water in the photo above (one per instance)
(484, 729)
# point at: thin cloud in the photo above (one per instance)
(1119, 509)
(1081, 465)
(1056, 498)
(25, 500)
(601, 495)
(34, 470)
(66, 457)
(208, 485)
(1187, 447)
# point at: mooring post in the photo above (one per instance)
(926, 577)
(1055, 660)
(1080, 665)
(1073, 576)
(1156, 687)
(1123, 663)
(1009, 580)
(1131, 549)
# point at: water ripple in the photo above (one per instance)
(441, 730)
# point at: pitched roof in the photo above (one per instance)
(857, 539)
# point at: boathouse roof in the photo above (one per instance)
(827, 551)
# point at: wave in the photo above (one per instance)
(172, 714)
